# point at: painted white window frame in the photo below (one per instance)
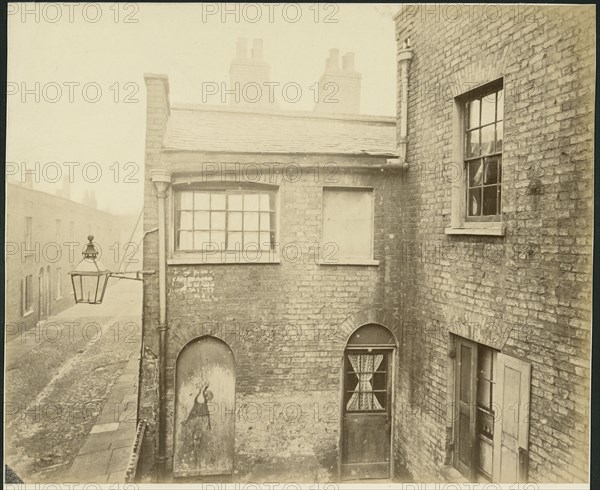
(459, 225)
(176, 257)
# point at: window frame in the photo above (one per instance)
(460, 222)
(341, 260)
(27, 299)
(28, 239)
(251, 256)
(348, 370)
(58, 290)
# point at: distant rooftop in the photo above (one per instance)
(246, 130)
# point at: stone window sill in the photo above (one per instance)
(27, 313)
(348, 261)
(225, 259)
(488, 229)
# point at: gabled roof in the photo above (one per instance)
(238, 130)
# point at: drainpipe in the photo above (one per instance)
(162, 180)
(405, 56)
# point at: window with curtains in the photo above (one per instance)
(366, 382)
(225, 219)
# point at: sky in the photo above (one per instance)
(76, 94)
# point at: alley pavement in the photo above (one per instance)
(71, 391)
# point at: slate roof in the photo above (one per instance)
(238, 130)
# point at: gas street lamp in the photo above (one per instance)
(90, 277)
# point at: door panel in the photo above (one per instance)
(511, 429)
(366, 427)
(465, 417)
(204, 415)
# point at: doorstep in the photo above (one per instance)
(451, 475)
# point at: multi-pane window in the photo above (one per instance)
(27, 295)
(484, 129)
(366, 382)
(225, 219)
(28, 233)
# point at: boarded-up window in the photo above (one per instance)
(348, 222)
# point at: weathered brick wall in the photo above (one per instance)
(531, 287)
(286, 323)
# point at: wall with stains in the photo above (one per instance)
(286, 322)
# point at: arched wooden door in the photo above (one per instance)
(367, 404)
(204, 409)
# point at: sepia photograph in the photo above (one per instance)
(278, 246)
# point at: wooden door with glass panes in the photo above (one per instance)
(366, 425)
(474, 424)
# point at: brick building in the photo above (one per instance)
(279, 187)
(496, 218)
(338, 299)
(45, 236)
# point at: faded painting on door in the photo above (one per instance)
(204, 409)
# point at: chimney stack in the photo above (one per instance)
(242, 48)
(339, 89)
(257, 49)
(333, 62)
(249, 77)
(348, 62)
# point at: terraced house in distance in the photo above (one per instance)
(330, 307)
(277, 286)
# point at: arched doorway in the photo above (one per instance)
(367, 403)
(203, 441)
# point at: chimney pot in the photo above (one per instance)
(257, 49)
(246, 70)
(242, 48)
(348, 62)
(333, 62)
(347, 81)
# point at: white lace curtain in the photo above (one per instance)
(363, 398)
